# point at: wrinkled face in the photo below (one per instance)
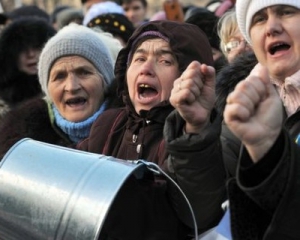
(28, 60)
(75, 87)
(151, 74)
(135, 12)
(275, 36)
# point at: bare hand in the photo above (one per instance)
(193, 95)
(254, 113)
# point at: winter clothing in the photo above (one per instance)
(116, 24)
(102, 8)
(39, 119)
(66, 16)
(33, 119)
(24, 11)
(227, 79)
(245, 9)
(260, 193)
(17, 86)
(232, 74)
(56, 11)
(71, 40)
(146, 212)
(207, 22)
(76, 130)
(113, 45)
(289, 92)
(264, 198)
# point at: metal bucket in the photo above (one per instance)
(51, 192)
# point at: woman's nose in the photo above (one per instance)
(148, 68)
(31, 52)
(273, 26)
(72, 83)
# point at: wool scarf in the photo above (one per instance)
(76, 131)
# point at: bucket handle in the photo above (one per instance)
(157, 170)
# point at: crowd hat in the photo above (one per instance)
(76, 40)
(245, 10)
(24, 11)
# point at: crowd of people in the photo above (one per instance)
(213, 100)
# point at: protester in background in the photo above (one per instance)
(208, 22)
(20, 47)
(98, 9)
(87, 4)
(55, 12)
(227, 79)
(67, 16)
(135, 11)
(232, 41)
(165, 66)
(75, 72)
(116, 24)
(24, 11)
(264, 197)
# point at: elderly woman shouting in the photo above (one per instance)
(263, 112)
(75, 72)
(166, 80)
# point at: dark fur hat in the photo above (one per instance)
(207, 22)
(231, 75)
(20, 35)
(24, 11)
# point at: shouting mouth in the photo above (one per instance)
(278, 47)
(146, 91)
(75, 102)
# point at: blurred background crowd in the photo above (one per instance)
(49, 5)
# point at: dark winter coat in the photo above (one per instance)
(194, 161)
(227, 79)
(34, 119)
(17, 86)
(30, 120)
(265, 197)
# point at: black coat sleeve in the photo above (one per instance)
(271, 191)
(195, 161)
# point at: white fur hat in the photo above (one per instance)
(245, 10)
(102, 8)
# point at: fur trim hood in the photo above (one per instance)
(231, 75)
(28, 32)
(21, 34)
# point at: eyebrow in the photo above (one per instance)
(158, 52)
(78, 68)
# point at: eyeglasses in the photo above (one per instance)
(234, 44)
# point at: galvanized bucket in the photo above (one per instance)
(52, 192)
